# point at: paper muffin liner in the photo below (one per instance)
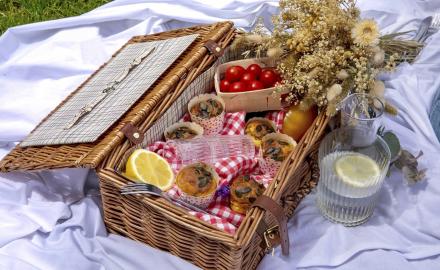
(203, 201)
(262, 119)
(193, 126)
(268, 165)
(211, 125)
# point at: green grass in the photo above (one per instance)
(16, 12)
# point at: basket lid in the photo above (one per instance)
(90, 154)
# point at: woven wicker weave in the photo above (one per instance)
(162, 225)
(181, 73)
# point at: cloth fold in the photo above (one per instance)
(50, 221)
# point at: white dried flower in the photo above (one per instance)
(378, 88)
(334, 91)
(274, 52)
(366, 33)
(342, 74)
(312, 74)
(379, 57)
(254, 38)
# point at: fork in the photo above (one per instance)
(423, 29)
(144, 188)
(436, 21)
(434, 27)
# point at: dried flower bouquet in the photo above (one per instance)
(325, 51)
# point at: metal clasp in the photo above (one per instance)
(269, 237)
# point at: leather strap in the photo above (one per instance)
(269, 205)
(214, 48)
(132, 133)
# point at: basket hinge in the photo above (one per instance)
(277, 234)
(133, 134)
(214, 48)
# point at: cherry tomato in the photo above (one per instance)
(225, 85)
(278, 79)
(238, 87)
(234, 73)
(254, 68)
(268, 77)
(255, 85)
(248, 77)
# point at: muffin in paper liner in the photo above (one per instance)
(211, 125)
(268, 164)
(258, 127)
(195, 128)
(186, 181)
(244, 191)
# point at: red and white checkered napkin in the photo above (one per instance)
(277, 117)
(221, 214)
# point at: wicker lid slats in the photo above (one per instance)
(103, 100)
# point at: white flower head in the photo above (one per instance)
(365, 33)
(334, 91)
(378, 57)
(254, 38)
(342, 74)
(379, 88)
(274, 52)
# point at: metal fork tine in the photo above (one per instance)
(135, 188)
(136, 192)
(134, 185)
(436, 21)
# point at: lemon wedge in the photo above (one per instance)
(148, 167)
(357, 170)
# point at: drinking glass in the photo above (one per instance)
(351, 175)
(364, 111)
(211, 149)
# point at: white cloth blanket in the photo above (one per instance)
(52, 220)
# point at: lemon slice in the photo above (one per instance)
(148, 167)
(357, 170)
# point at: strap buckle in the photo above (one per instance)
(280, 230)
(271, 239)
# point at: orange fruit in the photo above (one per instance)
(297, 122)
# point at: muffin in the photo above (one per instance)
(208, 111)
(243, 193)
(197, 184)
(275, 148)
(183, 131)
(259, 127)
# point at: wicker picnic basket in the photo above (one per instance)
(155, 221)
(162, 225)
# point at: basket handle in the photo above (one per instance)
(266, 203)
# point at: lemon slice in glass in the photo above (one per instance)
(148, 167)
(357, 170)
